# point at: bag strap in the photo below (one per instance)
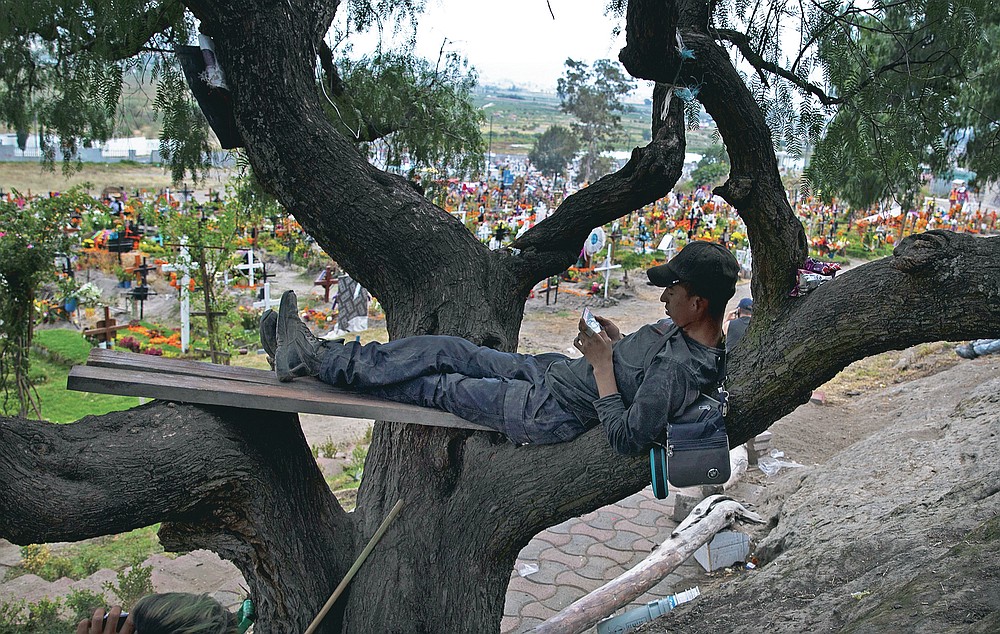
(720, 368)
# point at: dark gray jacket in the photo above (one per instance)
(737, 328)
(659, 371)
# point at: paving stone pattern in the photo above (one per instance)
(573, 559)
(583, 553)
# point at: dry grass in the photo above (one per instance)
(36, 178)
(882, 370)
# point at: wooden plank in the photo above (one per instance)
(307, 395)
(132, 362)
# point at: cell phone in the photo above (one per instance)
(121, 621)
(592, 324)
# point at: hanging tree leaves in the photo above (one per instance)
(63, 65)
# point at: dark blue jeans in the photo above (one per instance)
(505, 391)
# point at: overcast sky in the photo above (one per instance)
(517, 40)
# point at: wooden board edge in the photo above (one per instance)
(306, 398)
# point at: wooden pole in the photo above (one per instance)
(588, 610)
(354, 568)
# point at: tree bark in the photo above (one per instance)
(246, 486)
(936, 286)
(240, 482)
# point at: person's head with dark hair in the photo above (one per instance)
(707, 271)
(182, 613)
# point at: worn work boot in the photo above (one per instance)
(298, 352)
(269, 334)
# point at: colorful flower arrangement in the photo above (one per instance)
(50, 311)
(152, 341)
(249, 317)
(313, 314)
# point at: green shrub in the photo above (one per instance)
(34, 557)
(355, 467)
(43, 616)
(11, 614)
(82, 603)
(327, 449)
(131, 585)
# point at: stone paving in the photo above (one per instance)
(583, 553)
(573, 558)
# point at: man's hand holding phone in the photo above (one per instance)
(592, 324)
(113, 622)
(594, 341)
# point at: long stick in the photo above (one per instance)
(589, 609)
(354, 568)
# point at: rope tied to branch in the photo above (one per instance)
(685, 93)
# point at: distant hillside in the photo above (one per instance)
(520, 115)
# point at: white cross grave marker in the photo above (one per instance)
(607, 268)
(183, 264)
(250, 266)
(267, 302)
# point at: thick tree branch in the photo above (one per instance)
(754, 187)
(937, 285)
(553, 244)
(356, 212)
(649, 39)
(242, 483)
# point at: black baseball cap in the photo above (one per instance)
(707, 267)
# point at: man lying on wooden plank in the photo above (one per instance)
(633, 385)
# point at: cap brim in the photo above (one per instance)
(662, 276)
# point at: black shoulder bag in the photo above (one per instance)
(696, 451)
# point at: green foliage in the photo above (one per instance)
(401, 107)
(713, 168)
(40, 617)
(131, 585)
(355, 467)
(10, 614)
(248, 199)
(877, 91)
(34, 557)
(44, 615)
(593, 95)
(211, 237)
(631, 260)
(65, 67)
(77, 561)
(82, 603)
(62, 63)
(326, 449)
(185, 131)
(554, 149)
(29, 241)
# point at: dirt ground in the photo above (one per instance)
(892, 526)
